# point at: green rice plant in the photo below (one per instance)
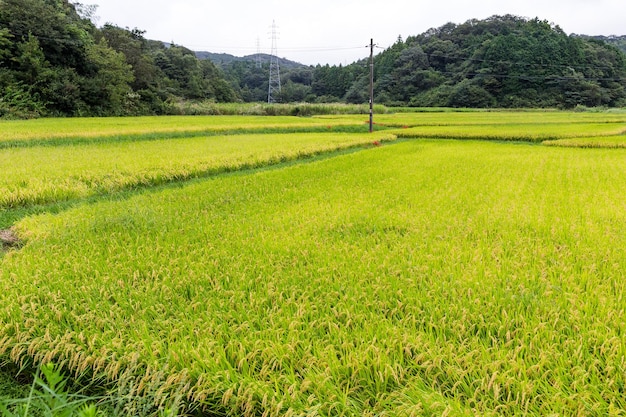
(38, 130)
(422, 278)
(590, 142)
(11, 385)
(41, 131)
(39, 175)
(477, 118)
(526, 132)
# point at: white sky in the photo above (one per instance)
(335, 31)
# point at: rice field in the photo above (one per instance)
(416, 277)
(60, 173)
(526, 132)
(97, 127)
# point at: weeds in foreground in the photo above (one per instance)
(48, 397)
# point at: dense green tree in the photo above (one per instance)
(148, 83)
(106, 91)
(249, 80)
(217, 88)
(54, 61)
(385, 63)
(136, 52)
(190, 78)
(358, 91)
(332, 81)
(61, 32)
(469, 93)
(410, 71)
(504, 61)
(294, 92)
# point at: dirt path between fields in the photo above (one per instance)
(8, 239)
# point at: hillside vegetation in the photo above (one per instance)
(503, 61)
(55, 62)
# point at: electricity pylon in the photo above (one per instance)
(274, 82)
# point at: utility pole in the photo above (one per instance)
(274, 82)
(371, 85)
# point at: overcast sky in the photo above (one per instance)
(334, 31)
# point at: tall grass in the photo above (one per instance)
(265, 109)
(423, 278)
(48, 397)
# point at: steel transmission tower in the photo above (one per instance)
(258, 53)
(274, 82)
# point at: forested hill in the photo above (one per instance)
(258, 59)
(502, 61)
(55, 62)
(618, 41)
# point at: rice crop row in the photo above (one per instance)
(472, 118)
(41, 129)
(528, 132)
(37, 175)
(420, 278)
(590, 142)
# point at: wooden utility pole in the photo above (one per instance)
(371, 85)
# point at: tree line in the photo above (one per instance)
(55, 62)
(503, 61)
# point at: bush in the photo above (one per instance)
(18, 103)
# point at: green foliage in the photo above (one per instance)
(48, 397)
(502, 61)
(107, 90)
(332, 81)
(470, 94)
(618, 41)
(505, 61)
(12, 386)
(70, 67)
(17, 102)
